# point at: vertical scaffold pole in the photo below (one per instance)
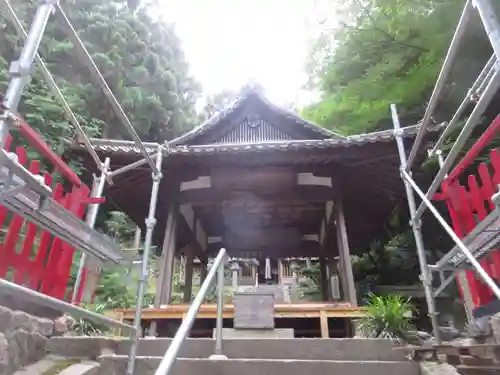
(150, 224)
(220, 310)
(21, 69)
(490, 23)
(416, 225)
(97, 189)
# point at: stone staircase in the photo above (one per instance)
(246, 357)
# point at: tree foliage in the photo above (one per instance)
(141, 59)
(378, 52)
(137, 53)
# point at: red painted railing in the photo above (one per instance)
(31, 256)
(469, 203)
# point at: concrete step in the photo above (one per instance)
(306, 349)
(116, 365)
(277, 290)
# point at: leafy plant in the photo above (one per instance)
(372, 53)
(85, 327)
(388, 317)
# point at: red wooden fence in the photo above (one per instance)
(31, 256)
(469, 203)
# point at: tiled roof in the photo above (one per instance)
(245, 94)
(128, 147)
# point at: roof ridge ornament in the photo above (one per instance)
(253, 87)
(253, 120)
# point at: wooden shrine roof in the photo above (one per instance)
(254, 135)
(255, 122)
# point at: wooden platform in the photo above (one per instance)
(321, 311)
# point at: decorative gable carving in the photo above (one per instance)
(253, 129)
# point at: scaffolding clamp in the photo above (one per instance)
(157, 176)
(150, 223)
(495, 198)
(416, 223)
(17, 69)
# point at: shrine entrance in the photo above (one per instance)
(267, 272)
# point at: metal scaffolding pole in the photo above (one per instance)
(220, 311)
(469, 126)
(21, 69)
(441, 81)
(131, 166)
(150, 224)
(55, 89)
(490, 23)
(483, 78)
(101, 82)
(425, 275)
(97, 189)
(470, 257)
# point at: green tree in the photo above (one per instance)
(374, 53)
(138, 54)
(216, 103)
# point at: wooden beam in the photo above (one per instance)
(345, 256)
(323, 278)
(164, 282)
(209, 311)
(299, 194)
(197, 240)
(323, 318)
(305, 249)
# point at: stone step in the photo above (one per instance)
(277, 290)
(116, 365)
(306, 349)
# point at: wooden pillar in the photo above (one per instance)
(331, 272)
(166, 264)
(323, 279)
(235, 268)
(323, 320)
(344, 253)
(188, 278)
(167, 259)
(203, 269)
(137, 238)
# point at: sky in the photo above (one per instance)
(229, 43)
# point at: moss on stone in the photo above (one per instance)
(60, 366)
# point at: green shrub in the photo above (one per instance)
(85, 327)
(388, 317)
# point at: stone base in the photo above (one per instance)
(253, 310)
(282, 333)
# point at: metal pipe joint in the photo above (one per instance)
(150, 222)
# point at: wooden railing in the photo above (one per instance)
(469, 202)
(29, 255)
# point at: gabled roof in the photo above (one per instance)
(252, 118)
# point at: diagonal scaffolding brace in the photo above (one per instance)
(101, 82)
(55, 89)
